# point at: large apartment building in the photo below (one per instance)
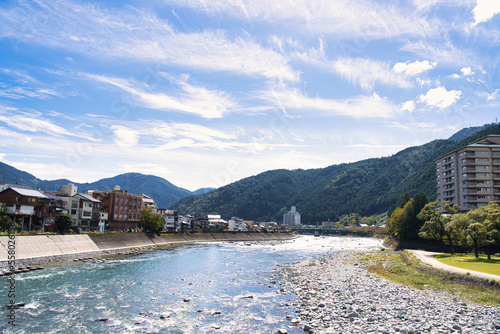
(470, 175)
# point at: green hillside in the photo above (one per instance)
(367, 187)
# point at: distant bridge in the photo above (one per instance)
(328, 231)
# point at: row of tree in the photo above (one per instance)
(418, 218)
(477, 228)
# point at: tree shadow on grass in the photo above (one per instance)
(466, 258)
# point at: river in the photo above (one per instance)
(204, 288)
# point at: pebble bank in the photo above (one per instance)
(335, 295)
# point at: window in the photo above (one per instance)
(125, 217)
(482, 167)
(117, 199)
(481, 153)
(121, 215)
(73, 212)
(126, 200)
(121, 207)
(116, 215)
(121, 199)
(481, 160)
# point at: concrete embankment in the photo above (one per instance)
(42, 249)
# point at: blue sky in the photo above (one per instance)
(204, 93)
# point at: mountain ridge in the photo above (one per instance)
(369, 186)
(161, 190)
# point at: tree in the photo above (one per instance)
(475, 231)
(404, 200)
(404, 223)
(151, 222)
(5, 220)
(63, 222)
(433, 228)
(396, 223)
(443, 227)
(492, 226)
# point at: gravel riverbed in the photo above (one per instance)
(335, 295)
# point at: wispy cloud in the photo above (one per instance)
(136, 35)
(358, 71)
(342, 18)
(367, 73)
(443, 53)
(26, 121)
(194, 100)
(28, 92)
(364, 106)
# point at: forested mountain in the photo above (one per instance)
(367, 187)
(163, 192)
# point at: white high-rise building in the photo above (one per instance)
(291, 218)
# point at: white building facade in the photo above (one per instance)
(291, 218)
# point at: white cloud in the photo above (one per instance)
(194, 100)
(466, 71)
(125, 136)
(414, 68)
(358, 107)
(408, 105)
(111, 35)
(440, 97)
(485, 10)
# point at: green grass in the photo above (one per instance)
(470, 262)
(403, 268)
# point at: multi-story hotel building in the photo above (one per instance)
(470, 175)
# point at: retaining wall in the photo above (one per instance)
(40, 249)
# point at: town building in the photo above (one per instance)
(171, 218)
(123, 208)
(291, 218)
(215, 222)
(147, 203)
(237, 224)
(31, 207)
(470, 175)
(85, 212)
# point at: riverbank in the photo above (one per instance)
(35, 250)
(336, 294)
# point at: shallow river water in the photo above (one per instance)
(207, 288)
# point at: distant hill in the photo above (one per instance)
(367, 187)
(162, 191)
(467, 132)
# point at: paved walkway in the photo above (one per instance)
(426, 257)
